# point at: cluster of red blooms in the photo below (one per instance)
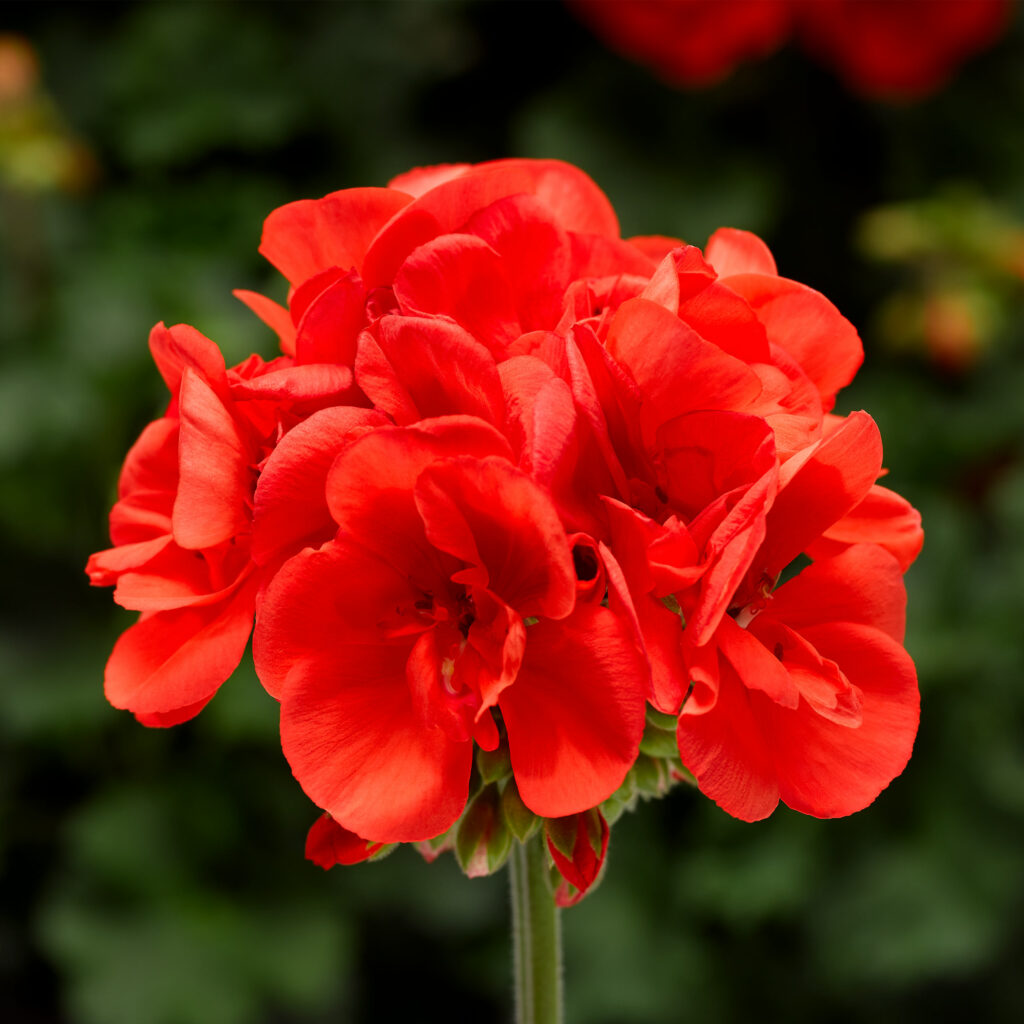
(510, 512)
(897, 48)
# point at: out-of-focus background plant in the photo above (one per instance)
(157, 877)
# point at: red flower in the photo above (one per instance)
(512, 477)
(690, 42)
(898, 48)
(578, 846)
(182, 527)
(813, 701)
(891, 48)
(390, 646)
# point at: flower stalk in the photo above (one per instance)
(536, 935)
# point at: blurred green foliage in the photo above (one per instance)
(155, 877)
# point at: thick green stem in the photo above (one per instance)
(536, 935)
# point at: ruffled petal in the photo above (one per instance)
(496, 519)
(370, 486)
(826, 769)
(675, 369)
(290, 507)
(438, 367)
(732, 251)
(169, 660)
(322, 601)
(359, 749)
(216, 472)
(175, 348)
(331, 322)
(862, 585)
(462, 277)
(311, 235)
(884, 518)
(575, 714)
(808, 327)
(819, 489)
(726, 750)
(577, 203)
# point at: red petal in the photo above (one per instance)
(331, 322)
(731, 251)
(495, 518)
(216, 481)
(175, 578)
(820, 489)
(176, 348)
(152, 462)
(440, 367)
(370, 486)
(358, 747)
(328, 844)
(862, 585)
(675, 369)
(104, 567)
(169, 660)
(462, 277)
(725, 749)
(535, 253)
(884, 518)
(422, 179)
(540, 418)
(302, 386)
(290, 507)
(574, 199)
(807, 326)
(755, 664)
(303, 238)
(655, 247)
(322, 601)
(826, 769)
(575, 714)
(165, 719)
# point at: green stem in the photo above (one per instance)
(536, 935)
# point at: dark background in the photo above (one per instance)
(157, 877)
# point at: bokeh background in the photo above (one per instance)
(157, 877)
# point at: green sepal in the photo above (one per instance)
(493, 765)
(659, 720)
(622, 800)
(522, 822)
(658, 742)
(483, 840)
(384, 851)
(683, 774)
(562, 833)
(652, 776)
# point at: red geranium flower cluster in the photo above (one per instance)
(511, 511)
(897, 48)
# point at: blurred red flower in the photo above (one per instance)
(886, 48)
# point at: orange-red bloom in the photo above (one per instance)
(512, 478)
